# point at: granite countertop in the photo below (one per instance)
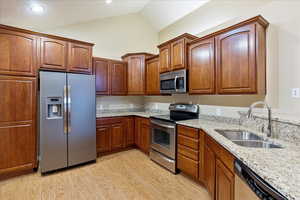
(279, 167)
(129, 113)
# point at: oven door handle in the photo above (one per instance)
(175, 83)
(163, 125)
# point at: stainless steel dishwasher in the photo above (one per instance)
(249, 186)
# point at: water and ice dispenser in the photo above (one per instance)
(54, 107)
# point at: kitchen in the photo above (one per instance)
(149, 100)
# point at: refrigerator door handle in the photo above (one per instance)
(65, 110)
(69, 109)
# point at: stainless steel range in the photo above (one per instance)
(163, 133)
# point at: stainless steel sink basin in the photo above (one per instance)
(247, 139)
(238, 135)
(256, 144)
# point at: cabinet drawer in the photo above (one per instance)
(188, 142)
(109, 120)
(187, 165)
(188, 132)
(190, 153)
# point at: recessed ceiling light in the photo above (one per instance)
(38, 9)
(108, 1)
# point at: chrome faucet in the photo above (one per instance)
(249, 115)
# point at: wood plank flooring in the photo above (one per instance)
(128, 175)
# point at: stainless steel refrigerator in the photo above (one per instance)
(67, 124)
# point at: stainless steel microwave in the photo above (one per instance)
(173, 82)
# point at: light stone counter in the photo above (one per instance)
(279, 167)
(128, 113)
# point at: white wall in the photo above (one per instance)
(114, 36)
(283, 49)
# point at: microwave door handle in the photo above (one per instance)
(175, 83)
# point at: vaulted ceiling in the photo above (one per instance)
(160, 13)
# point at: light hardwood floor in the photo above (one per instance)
(128, 175)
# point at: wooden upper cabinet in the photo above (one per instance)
(136, 81)
(118, 78)
(164, 59)
(111, 76)
(17, 123)
(173, 53)
(178, 53)
(224, 182)
(235, 51)
(152, 76)
(80, 58)
(53, 54)
(102, 74)
(241, 60)
(202, 67)
(18, 53)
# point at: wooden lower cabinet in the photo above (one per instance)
(118, 131)
(205, 160)
(224, 182)
(188, 151)
(130, 131)
(187, 165)
(17, 124)
(111, 134)
(142, 134)
(103, 138)
(209, 171)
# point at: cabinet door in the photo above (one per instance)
(136, 75)
(80, 58)
(117, 136)
(210, 171)
(164, 59)
(53, 54)
(202, 67)
(102, 74)
(17, 123)
(178, 54)
(145, 135)
(224, 182)
(137, 131)
(18, 53)
(152, 80)
(130, 131)
(103, 138)
(118, 78)
(201, 156)
(236, 61)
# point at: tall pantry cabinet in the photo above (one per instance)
(22, 53)
(18, 64)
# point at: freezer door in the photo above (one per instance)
(53, 139)
(82, 119)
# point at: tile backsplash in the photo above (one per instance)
(285, 126)
(119, 103)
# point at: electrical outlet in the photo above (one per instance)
(296, 92)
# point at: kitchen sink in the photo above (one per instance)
(247, 139)
(238, 135)
(257, 144)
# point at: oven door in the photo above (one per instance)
(163, 137)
